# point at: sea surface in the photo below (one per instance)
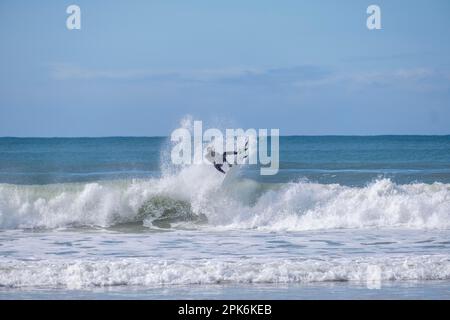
(346, 217)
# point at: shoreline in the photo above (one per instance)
(433, 289)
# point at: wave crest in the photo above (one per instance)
(197, 195)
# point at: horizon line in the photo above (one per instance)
(288, 135)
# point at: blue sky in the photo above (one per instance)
(306, 67)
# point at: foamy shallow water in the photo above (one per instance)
(309, 291)
(156, 264)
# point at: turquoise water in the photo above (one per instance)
(345, 217)
(329, 159)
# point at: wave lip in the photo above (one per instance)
(136, 272)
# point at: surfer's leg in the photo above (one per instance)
(225, 154)
(219, 167)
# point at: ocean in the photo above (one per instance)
(365, 217)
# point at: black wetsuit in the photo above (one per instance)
(218, 166)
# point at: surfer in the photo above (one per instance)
(218, 160)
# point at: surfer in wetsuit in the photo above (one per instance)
(218, 160)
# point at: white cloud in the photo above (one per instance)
(298, 76)
(414, 78)
(71, 72)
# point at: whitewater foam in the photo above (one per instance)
(140, 272)
(246, 204)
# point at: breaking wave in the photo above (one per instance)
(139, 272)
(196, 197)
